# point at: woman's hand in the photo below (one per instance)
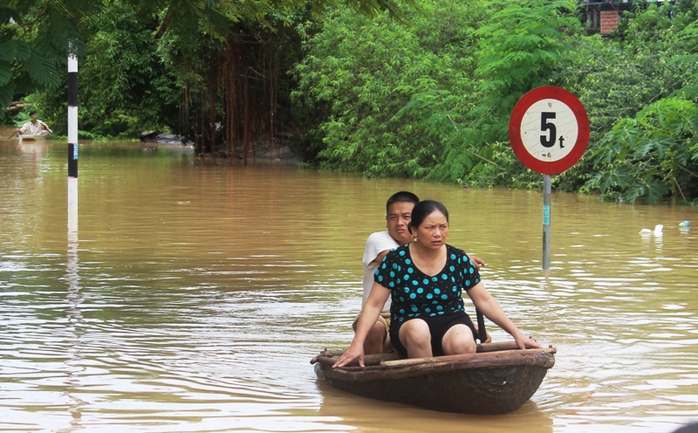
(525, 342)
(355, 351)
(369, 314)
(488, 337)
(491, 309)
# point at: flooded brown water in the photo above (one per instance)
(194, 296)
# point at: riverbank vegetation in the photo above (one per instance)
(420, 89)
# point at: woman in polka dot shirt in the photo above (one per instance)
(424, 279)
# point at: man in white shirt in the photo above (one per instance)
(34, 126)
(398, 215)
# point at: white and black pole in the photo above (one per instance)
(74, 314)
(72, 143)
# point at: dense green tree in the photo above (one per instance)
(432, 98)
(458, 127)
(364, 71)
(640, 90)
(427, 95)
(650, 155)
(521, 46)
(35, 35)
(125, 87)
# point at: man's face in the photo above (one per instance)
(399, 215)
(34, 117)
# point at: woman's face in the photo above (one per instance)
(433, 231)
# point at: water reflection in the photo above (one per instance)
(193, 296)
(372, 415)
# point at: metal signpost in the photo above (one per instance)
(549, 132)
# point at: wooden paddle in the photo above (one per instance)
(13, 134)
(481, 326)
(46, 127)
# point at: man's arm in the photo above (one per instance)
(377, 246)
(379, 257)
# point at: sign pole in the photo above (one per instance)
(547, 181)
(549, 131)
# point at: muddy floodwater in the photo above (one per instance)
(193, 295)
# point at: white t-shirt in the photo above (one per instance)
(30, 128)
(375, 244)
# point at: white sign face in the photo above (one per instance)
(549, 130)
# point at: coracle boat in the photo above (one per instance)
(498, 379)
(31, 138)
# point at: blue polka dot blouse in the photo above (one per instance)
(416, 294)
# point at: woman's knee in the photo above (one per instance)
(458, 339)
(415, 331)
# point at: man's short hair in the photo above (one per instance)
(33, 112)
(404, 196)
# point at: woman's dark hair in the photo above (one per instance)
(423, 209)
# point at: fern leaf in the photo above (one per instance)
(42, 71)
(5, 73)
(14, 51)
(6, 94)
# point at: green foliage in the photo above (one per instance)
(428, 94)
(35, 37)
(686, 49)
(366, 70)
(651, 58)
(651, 155)
(522, 47)
(462, 121)
(523, 42)
(125, 87)
(433, 98)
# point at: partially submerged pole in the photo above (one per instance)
(547, 189)
(72, 171)
(72, 143)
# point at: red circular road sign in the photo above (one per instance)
(549, 129)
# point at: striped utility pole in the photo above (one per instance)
(72, 116)
(72, 276)
(72, 143)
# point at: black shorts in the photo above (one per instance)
(438, 326)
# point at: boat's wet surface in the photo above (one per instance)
(194, 296)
